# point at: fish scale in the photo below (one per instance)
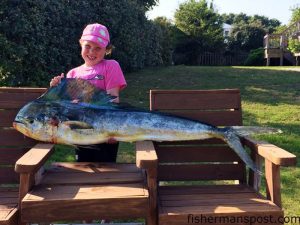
(54, 117)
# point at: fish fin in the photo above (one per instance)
(233, 140)
(251, 130)
(71, 89)
(78, 125)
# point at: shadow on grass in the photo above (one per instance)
(266, 85)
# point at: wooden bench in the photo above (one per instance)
(65, 191)
(12, 146)
(185, 202)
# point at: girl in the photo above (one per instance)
(104, 74)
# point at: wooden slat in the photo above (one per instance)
(196, 154)
(108, 201)
(14, 98)
(91, 178)
(8, 175)
(276, 155)
(195, 99)
(9, 202)
(22, 90)
(273, 182)
(17, 101)
(146, 157)
(201, 172)
(205, 189)
(18, 97)
(9, 192)
(93, 167)
(212, 199)
(92, 173)
(79, 192)
(9, 156)
(9, 216)
(176, 203)
(32, 160)
(216, 107)
(11, 137)
(7, 117)
(216, 118)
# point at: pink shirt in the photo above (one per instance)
(105, 75)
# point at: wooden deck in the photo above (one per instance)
(276, 45)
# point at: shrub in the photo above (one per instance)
(294, 45)
(39, 39)
(255, 58)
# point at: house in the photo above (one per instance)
(227, 28)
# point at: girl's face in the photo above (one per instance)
(91, 53)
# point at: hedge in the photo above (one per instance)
(39, 38)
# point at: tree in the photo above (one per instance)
(147, 4)
(248, 31)
(39, 39)
(201, 26)
(295, 14)
(269, 25)
(166, 43)
(245, 37)
(228, 18)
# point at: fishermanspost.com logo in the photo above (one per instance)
(268, 219)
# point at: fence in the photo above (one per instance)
(217, 59)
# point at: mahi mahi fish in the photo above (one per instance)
(77, 113)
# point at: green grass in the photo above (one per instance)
(270, 96)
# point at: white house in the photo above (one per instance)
(226, 29)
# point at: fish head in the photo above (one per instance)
(38, 120)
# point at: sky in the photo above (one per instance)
(273, 9)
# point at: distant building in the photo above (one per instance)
(226, 29)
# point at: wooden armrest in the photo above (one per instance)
(32, 160)
(271, 152)
(146, 157)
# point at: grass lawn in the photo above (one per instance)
(270, 96)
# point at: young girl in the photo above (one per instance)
(104, 74)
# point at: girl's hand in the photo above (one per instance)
(56, 80)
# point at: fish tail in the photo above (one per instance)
(232, 139)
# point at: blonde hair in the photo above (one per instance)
(109, 49)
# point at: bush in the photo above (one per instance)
(39, 39)
(255, 58)
(294, 45)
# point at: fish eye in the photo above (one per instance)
(30, 120)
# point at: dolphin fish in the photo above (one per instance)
(93, 118)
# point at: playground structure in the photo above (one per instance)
(276, 45)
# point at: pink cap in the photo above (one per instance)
(96, 33)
